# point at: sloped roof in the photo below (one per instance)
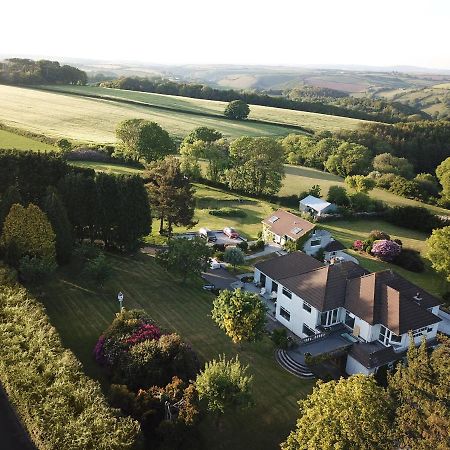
(325, 287)
(284, 223)
(315, 203)
(334, 246)
(289, 265)
(387, 298)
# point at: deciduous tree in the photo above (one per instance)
(438, 250)
(241, 314)
(352, 414)
(237, 109)
(349, 159)
(224, 385)
(143, 139)
(443, 174)
(187, 257)
(256, 165)
(359, 183)
(234, 256)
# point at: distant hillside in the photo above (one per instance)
(433, 100)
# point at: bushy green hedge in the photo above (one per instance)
(59, 406)
(227, 212)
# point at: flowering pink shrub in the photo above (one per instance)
(144, 333)
(386, 250)
(358, 245)
(98, 351)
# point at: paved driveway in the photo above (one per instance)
(12, 435)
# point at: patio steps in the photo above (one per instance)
(297, 369)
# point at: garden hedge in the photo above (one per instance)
(60, 407)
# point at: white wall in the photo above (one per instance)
(325, 238)
(299, 316)
(353, 367)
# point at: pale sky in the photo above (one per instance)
(289, 32)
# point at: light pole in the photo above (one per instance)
(120, 298)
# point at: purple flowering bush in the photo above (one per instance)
(127, 329)
(135, 352)
(386, 250)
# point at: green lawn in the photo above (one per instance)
(11, 140)
(80, 312)
(347, 231)
(108, 168)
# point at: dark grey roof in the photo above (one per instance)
(325, 287)
(334, 246)
(289, 265)
(374, 354)
(387, 298)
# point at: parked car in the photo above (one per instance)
(231, 233)
(207, 234)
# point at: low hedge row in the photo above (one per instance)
(60, 407)
(227, 212)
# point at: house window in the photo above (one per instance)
(329, 318)
(308, 331)
(285, 314)
(349, 320)
(384, 335)
(307, 307)
(420, 332)
(287, 293)
(396, 338)
(274, 287)
(315, 242)
(429, 329)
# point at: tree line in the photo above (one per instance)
(20, 71)
(195, 90)
(47, 205)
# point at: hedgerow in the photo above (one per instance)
(60, 407)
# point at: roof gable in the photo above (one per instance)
(284, 223)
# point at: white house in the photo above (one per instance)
(316, 206)
(371, 312)
(283, 226)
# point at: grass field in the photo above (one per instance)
(316, 122)
(80, 313)
(13, 140)
(91, 120)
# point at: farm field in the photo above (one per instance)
(80, 313)
(12, 140)
(86, 120)
(313, 121)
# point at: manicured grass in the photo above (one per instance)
(80, 312)
(11, 140)
(347, 231)
(313, 121)
(95, 120)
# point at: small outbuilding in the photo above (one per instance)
(316, 206)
